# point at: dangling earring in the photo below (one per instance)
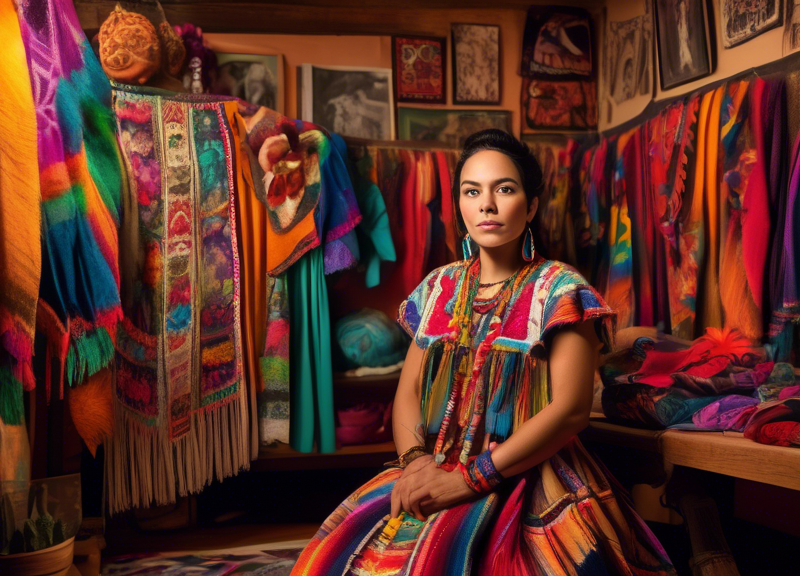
(466, 247)
(528, 249)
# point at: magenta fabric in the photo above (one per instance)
(728, 413)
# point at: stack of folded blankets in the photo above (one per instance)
(720, 381)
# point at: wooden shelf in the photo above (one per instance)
(283, 457)
(342, 381)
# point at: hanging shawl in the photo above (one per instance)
(20, 221)
(180, 402)
(81, 179)
(709, 312)
(590, 212)
(618, 286)
(743, 215)
(501, 380)
(676, 173)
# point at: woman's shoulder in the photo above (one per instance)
(554, 275)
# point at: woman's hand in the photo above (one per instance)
(425, 488)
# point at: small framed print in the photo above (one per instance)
(476, 64)
(255, 78)
(684, 49)
(419, 69)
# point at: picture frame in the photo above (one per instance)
(558, 105)
(739, 22)
(683, 42)
(791, 28)
(255, 78)
(477, 70)
(451, 127)
(629, 59)
(419, 69)
(350, 101)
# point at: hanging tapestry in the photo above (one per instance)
(20, 221)
(744, 210)
(273, 400)
(549, 104)
(676, 172)
(81, 180)
(180, 402)
(557, 43)
(590, 212)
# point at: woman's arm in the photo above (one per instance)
(406, 412)
(572, 362)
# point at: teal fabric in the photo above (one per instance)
(375, 238)
(311, 374)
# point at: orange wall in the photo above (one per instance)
(376, 52)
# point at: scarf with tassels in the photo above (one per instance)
(180, 404)
(20, 222)
(477, 391)
(81, 181)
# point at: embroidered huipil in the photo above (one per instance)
(484, 373)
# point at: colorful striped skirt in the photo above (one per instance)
(566, 516)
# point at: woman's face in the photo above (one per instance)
(492, 200)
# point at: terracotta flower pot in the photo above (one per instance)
(53, 561)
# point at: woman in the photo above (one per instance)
(498, 381)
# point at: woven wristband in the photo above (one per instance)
(406, 457)
(480, 474)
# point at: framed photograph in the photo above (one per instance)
(549, 104)
(742, 20)
(355, 102)
(476, 64)
(791, 31)
(255, 78)
(451, 127)
(684, 50)
(419, 69)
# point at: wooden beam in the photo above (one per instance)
(356, 17)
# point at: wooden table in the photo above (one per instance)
(728, 453)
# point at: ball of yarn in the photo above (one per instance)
(369, 338)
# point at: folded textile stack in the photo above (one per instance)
(713, 383)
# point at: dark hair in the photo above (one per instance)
(518, 152)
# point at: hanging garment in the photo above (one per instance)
(20, 221)
(375, 238)
(475, 390)
(81, 179)
(180, 398)
(311, 374)
(274, 398)
(591, 213)
(618, 287)
(676, 186)
(744, 205)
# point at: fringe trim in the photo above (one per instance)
(144, 468)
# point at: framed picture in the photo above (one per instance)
(629, 58)
(791, 31)
(419, 69)
(557, 43)
(548, 104)
(684, 50)
(255, 78)
(350, 101)
(476, 64)
(742, 20)
(451, 127)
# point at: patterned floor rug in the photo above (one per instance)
(271, 559)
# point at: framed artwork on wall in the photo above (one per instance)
(419, 69)
(684, 49)
(451, 127)
(629, 58)
(255, 78)
(742, 20)
(350, 101)
(557, 44)
(476, 64)
(548, 105)
(791, 29)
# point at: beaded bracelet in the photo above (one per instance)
(480, 474)
(407, 457)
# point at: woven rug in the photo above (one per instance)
(275, 559)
